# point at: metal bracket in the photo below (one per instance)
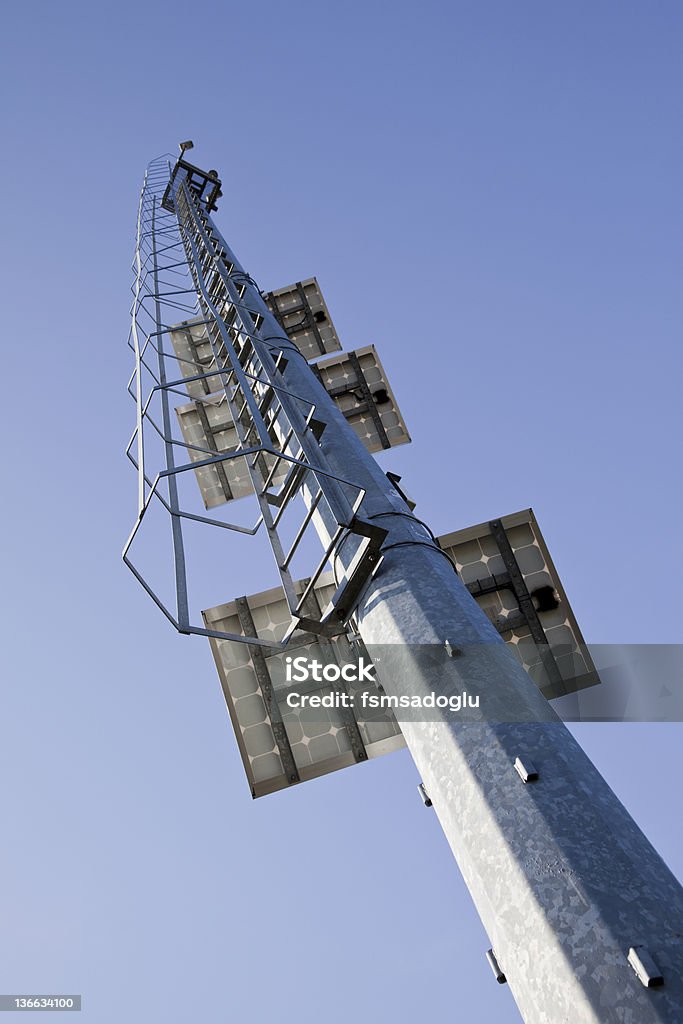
(362, 386)
(452, 652)
(394, 479)
(329, 654)
(644, 966)
(526, 770)
(364, 563)
(526, 605)
(426, 799)
(495, 967)
(269, 699)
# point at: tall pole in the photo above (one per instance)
(585, 919)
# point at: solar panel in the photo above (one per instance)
(303, 312)
(193, 351)
(208, 426)
(506, 566)
(355, 380)
(300, 309)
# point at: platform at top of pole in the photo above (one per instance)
(206, 185)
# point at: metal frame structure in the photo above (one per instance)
(277, 429)
(369, 405)
(585, 919)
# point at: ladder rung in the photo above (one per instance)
(302, 529)
(278, 459)
(289, 488)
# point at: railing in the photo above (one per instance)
(181, 267)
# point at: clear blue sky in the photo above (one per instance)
(514, 170)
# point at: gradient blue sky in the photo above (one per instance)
(488, 192)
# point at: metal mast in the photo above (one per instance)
(585, 918)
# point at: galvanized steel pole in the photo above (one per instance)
(564, 881)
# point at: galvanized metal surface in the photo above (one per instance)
(564, 881)
(562, 877)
